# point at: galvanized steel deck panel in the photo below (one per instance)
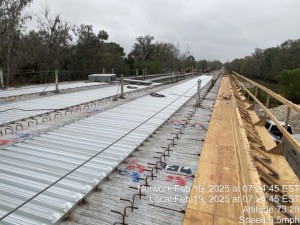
(107, 138)
(45, 88)
(10, 112)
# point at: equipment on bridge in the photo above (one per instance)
(102, 77)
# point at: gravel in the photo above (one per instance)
(280, 113)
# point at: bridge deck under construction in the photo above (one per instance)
(217, 166)
(109, 168)
(239, 168)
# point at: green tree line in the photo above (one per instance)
(279, 65)
(77, 50)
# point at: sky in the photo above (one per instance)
(211, 29)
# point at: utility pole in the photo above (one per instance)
(136, 74)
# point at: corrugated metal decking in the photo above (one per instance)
(183, 158)
(31, 166)
(39, 89)
(10, 112)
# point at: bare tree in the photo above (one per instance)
(56, 36)
(12, 20)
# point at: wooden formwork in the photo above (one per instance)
(289, 105)
(227, 187)
(279, 182)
